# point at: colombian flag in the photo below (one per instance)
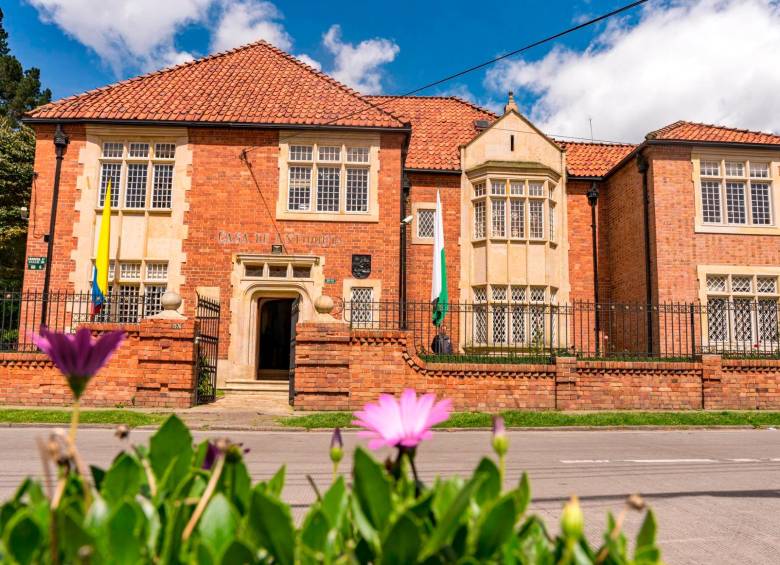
(100, 270)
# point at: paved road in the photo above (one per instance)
(716, 493)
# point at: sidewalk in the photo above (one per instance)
(238, 412)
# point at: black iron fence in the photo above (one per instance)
(23, 313)
(496, 332)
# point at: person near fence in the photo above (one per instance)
(441, 344)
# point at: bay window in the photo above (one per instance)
(514, 209)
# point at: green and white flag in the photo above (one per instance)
(439, 297)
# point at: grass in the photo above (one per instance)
(38, 416)
(522, 419)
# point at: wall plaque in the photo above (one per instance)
(361, 266)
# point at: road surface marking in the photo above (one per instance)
(576, 461)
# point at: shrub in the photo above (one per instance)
(172, 502)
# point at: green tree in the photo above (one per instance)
(20, 91)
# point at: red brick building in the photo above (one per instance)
(253, 179)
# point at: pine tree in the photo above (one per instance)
(20, 91)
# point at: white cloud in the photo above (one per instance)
(247, 21)
(359, 65)
(711, 61)
(309, 61)
(129, 33)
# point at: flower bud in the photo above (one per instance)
(500, 441)
(572, 520)
(336, 446)
(122, 431)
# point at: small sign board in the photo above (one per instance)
(330, 281)
(36, 263)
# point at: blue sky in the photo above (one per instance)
(642, 70)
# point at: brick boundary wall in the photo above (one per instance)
(153, 368)
(339, 369)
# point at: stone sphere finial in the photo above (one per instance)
(323, 304)
(170, 300)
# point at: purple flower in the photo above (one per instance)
(78, 356)
(403, 423)
(212, 451)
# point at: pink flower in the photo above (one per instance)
(78, 356)
(403, 423)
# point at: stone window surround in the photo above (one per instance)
(742, 155)
(345, 139)
(416, 207)
(374, 284)
(88, 187)
(549, 195)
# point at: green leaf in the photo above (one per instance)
(72, 535)
(170, 452)
(205, 555)
(364, 526)
(123, 535)
(23, 537)
(372, 489)
(218, 524)
(445, 493)
(403, 541)
(314, 532)
(646, 535)
(97, 515)
(334, 503)
(496, 526)
(123, 479)
(268, 524)
(449, 522)
(97, 476)
(522, 495)
(236, 484)
(490, 488)
(238, 553)
(276, 484)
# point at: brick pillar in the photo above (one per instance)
(712, 393)
(322, 366)
(565, 383)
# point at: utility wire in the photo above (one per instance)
(482, 65)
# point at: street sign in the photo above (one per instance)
(330, 281)
(36, 263)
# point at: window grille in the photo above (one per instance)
(716, 283)
(735, 202)
(536, 216)
(328, 188)
(741, 284)
(425, 224)
(535, 189)
(498, 187)
(768, 322)
(498, 217)
(157, 271)
(537, 294)
(112, 172)
(710, 168)
(165, 150)
(710, 201)
(500, 334)
(153, 299)
(479, 220)
(138, 151)
(112, 150)
(499, 293)
(518, 323)
(552, 223)
(357, 154)
(743, 326)
(130, 271)
(135, 194)
(759, 197)
(327, 153)
(516, 188)
(162, 186)
(480, 294)
(759, 170)
(128, 309)
(735, 169)
(357, 190)
(717, 321)
(766, 285)
(299, 193)
(518, 294)
(300, 152)
(361, 299)
(517, 218)
(479, 189)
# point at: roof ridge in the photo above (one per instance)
(259, 43)
(654, 134)
(600, 143)
(436, 97)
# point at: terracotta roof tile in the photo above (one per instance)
(690, 131)
(254, 84)
(593, 159)
(440, 125)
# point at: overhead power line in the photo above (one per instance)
(484, 64)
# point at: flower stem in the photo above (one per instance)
(501, 470)
(205, 497)
(335, 471)
(74, 421)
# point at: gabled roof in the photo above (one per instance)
(585, 159)
(690, 131)
(440, 125)
(254, 84)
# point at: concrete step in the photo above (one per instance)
(250, 386)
